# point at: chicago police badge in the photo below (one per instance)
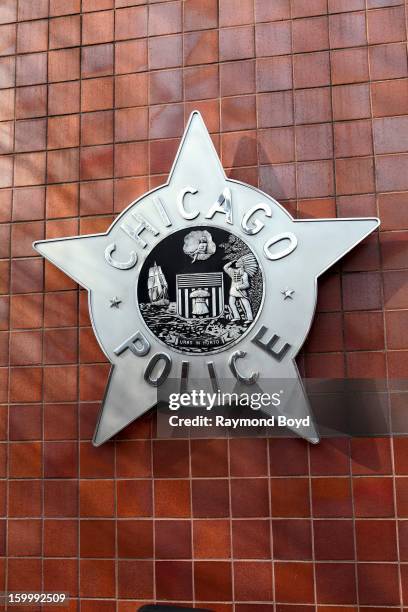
(203, 276)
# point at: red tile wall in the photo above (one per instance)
(307, 99)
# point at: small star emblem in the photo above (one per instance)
(288, 294)
(114, 302)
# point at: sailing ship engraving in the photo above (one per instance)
(157, 286)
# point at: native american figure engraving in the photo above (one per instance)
(240, 273)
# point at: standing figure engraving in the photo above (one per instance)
(245, 267)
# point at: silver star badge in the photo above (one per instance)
(198, 263)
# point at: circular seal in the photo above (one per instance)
(200, 290)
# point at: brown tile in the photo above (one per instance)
(8, 39)
(25, 348)
(200, 47)
(212, 580)
(97, 61)
(239, 149)
(131, 23)
(96, 198)
(376, 540)
(30, 135)
(386, 25)
(353, 138)
(133, 459)
(272, 74)
(314, 142)
(63, 132)
(385, 576)
(97, 5)
(6, 104)
(26, 571)
(336, 583)
(63, 98)
(7, 71)
(354, 175)
(395, 295)
(273, 38)
(7, 137)
(166, 86)
(131, 90)
(275, 11)
(278, 180)
(96, 162)
(165, 18)
(135, 579)
(387, 61)
(60, 538)
(97, 578)
(131, 56)
(97, 128)
(96, 498)
(334, 540)
(238, 113)
(302, 573)
(6, 169)
(202, 82)
(170, 459)
(167, 51)
(276, 145)
(65, 32)
(60, 422)
(251, 539)
(211, 539)
(32, 36)
(349, 66)
(292, 539)
(174, 580)
(389, 134)
(373, 497)
(134, 498)
(31, 69)
(200, 15)
(25, 497)
(331, 497)
(310, 34)
(312, 105)
(210, 498)
(62, 201)
(307, 8)
(351, 102)
(172, 498)
(131, 159)
(255, 452)
(390, 98)
(254, 579)
(311, 69)
(24, 538)
(347, 30)
(232, 13)
(97, 27)
(275, 109)
(135, 539)
(25, 459)
(128, 189)
(26, 276)
(32, 9)
(391, 174)
(315, 179)
(60, 498)
(63, 165)
(172, 540)
(97, 94)
(64, 7)
(63, 65)
(236, 43)
(8, 11)
(290, 497)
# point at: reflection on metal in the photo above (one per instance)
(243, 251)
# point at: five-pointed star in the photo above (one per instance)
(288, 294)
(115, 302)
(197, 169)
